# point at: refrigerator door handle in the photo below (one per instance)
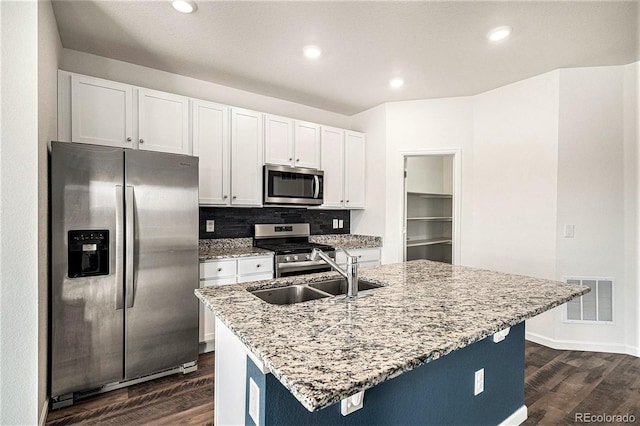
(119, 241)
(129, 241)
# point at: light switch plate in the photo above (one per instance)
(210, 225)
(569, 231)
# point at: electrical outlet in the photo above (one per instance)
(210, 225)
(479, 382)
(341, 224)
(254, 401)
(335, 223)
(352, 403)
(569, 231)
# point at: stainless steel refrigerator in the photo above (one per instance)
(124, 264)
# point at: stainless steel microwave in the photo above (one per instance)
(293, 185)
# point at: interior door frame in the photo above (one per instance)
(457, 185)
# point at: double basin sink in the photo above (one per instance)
(306, 292)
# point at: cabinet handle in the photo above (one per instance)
(224, 197)
(347, 201)
(290, 158)
(234, 197)
(297, 159)
(141, 140)
(219, 269)
(258, 265)
(342, 201)
(128, 139)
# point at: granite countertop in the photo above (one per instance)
(221, 248)
(348, 241)
(324, 351)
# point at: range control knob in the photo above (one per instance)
(308, 257)
(287, 258)
(295, 257)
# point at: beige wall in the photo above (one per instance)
(19, 245)
(49, 54)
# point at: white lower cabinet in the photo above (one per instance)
(224, 272)
(366, 257)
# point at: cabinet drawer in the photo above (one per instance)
(217, 269)
(217, 282)
(255, 265)
(363, 255)
(255, 277)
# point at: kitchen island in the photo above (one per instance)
(413, 346)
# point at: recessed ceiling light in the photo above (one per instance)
(499, 33)
(312, 51)
(184, 6)
(396, 82)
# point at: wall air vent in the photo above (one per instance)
(595, 306)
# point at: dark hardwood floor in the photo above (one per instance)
(558, 384)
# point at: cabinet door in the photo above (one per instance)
(246, 157)
(163, 122)
(278, 140)
(354, 164)
(210, 129)
(332, 144)
(101, 112)
(307, 145)
(207, 318)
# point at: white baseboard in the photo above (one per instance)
(575, 345)
(44, 412)
(517, 418)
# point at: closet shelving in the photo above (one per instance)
(429, 209)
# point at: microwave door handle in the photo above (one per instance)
(316, 181)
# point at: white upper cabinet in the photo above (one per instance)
(211, 144)
(101, 112)
(333, 166)
(307, 145)
(278, 140)
(163, 122)
(343, 162)
(247, 133)
(291, 143)
(354, 161)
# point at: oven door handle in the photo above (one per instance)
(316, 184)
(302, 264)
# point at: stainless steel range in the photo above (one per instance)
(290, 242)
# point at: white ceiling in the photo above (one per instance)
(439, 48)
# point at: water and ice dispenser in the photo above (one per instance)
(88, 253)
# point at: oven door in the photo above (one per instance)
(301, 268)
(293, 185)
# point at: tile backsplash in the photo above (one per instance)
(234, 222)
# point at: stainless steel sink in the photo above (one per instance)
(339, 286)
(289, 295)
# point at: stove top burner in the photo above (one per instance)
(291, 247)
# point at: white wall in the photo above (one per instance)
(515, 177)
(424, 126)
(591, 193)
(19, 213)
(49, 54)
(631, 98)
(372, 220)
(111, 69)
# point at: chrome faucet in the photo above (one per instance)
(350, 273)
